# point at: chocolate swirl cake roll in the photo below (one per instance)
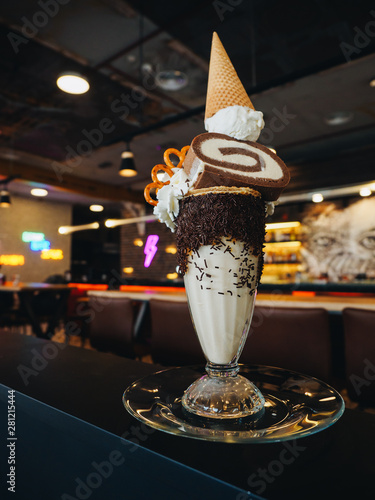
(219, 160)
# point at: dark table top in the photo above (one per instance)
(339, 461)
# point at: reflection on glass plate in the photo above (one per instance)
(296, 406)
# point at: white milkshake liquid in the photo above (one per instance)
(220, 283)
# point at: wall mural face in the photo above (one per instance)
(339, 242)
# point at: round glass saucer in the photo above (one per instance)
(295, 406)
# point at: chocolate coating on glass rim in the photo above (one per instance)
(207, 219)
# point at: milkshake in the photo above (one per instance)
(216, 201)
(222, 268)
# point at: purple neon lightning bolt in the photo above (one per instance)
(150, 249)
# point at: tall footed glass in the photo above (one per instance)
(220, 283)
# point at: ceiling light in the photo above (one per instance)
(4, 198)
(317, 197)
(372, 82)
(72, 83)
(73, 229)
(338, 118)
(96, 208)
(365, 192)
(133, 220)
(39, 192)
(172, 80)
(127, 167)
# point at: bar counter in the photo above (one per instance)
(335, 302)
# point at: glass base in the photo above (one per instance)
(296, 406)
(223, 394)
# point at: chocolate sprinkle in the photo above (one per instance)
(206, 219)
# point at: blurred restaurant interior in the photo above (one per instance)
(84, 261)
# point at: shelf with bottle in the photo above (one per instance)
(282, 254)
(283, 233)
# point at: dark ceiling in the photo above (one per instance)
(300, 62)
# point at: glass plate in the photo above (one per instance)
(296, 406)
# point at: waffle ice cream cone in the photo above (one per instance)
(224, 87)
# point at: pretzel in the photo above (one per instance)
(181, 155)
(148, 198)
(156, 169)
(167, 168)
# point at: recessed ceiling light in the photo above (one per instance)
(172, 80)
(96, 208)
(39, 192)
(317, 197)
(365, 192)
(72, 83)
(372, 82)
(338, 118)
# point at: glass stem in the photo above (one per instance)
(229, 370)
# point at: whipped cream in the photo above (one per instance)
(168, 197)
(270, 208)
(240, 122)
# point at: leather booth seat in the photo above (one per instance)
(173, 338)
(293, 338)
(111, 325)
(359, 331)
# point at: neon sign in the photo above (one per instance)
(28, 236)
(12, 260)
(53, 254)
(37, 246)
(150, 249)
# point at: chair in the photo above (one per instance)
(76, 314)
(111, 325)
(173, 339)
(10, 315)
(359, 331)
(293, 338)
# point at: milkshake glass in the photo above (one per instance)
(221, 272)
